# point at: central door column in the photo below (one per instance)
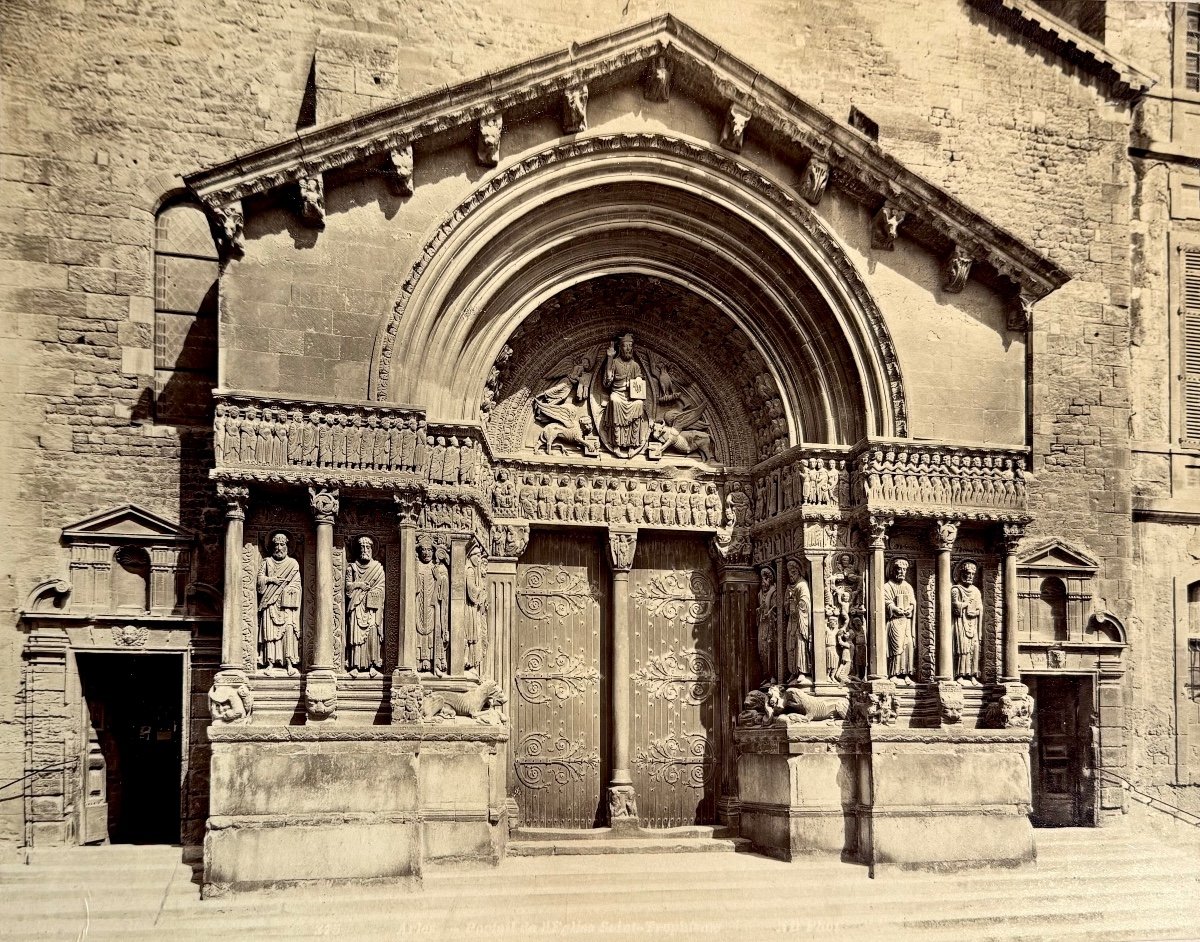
(622, 802)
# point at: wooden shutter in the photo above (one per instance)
(1191, 344)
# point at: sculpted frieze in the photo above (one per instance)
(990, 484)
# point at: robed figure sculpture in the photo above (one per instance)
(798, 621)
(626, 388)
(279, 593)
(899, 606)
(477, 610)
(966, 609)
(364, 611)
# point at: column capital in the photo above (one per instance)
(877, 530)
(509, 540)
(235, 496)
(324, 503)
(945, 532)
(1011, 535)
(622, 545)
(408, 508)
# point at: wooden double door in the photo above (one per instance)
(563, 676)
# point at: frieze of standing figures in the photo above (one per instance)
(911, 479)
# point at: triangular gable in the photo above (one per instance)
(1057, 554)
(699, 68)
(128, 522)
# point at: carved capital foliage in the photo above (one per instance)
(509, 540)
(324, 503)
(957, 269)
(230, 223)
(235, 497)
(734, 132)
(816, 178)
(885, 226)
(408, 508)
(400, 170)
(1020, 312)
(622, 545)
(877, 530)
(575, 101)
(312, 199)
(1011, 536)
(487, 146)
(945, 532)
(658, 80)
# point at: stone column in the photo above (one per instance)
(622, 802)
(320, 682)
(408, 512)
(736, 586)
(816, 568)
(508, 542)
(877, 642)
(950, 696)
(1011, 668)
(229, 697)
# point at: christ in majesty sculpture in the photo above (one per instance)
(626, 387)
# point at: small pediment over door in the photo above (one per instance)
(126, 523)
(1059, 556)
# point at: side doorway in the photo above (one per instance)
(1062, 754)
(132, 739)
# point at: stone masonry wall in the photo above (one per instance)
(105, 104)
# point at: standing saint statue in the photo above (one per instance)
(477, 610)
(798, 615)
(279, 593)
(966, 609)
(767, 615)
(626, 387)
(364, 611)
(899, 606)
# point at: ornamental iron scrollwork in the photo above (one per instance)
(676, 675)
(541, 759)
(553, 590)
(543, 676)
(686, 760)
(688, 597)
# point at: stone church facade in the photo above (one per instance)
(435, 428)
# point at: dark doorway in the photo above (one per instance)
(133, 712)
(1061, 759)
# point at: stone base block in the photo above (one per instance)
(330, 804)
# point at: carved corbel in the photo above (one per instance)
(230, 224)
(957, 269)
(950, 702)
(235, 498)
(658, 80)
(312, 199)
(622, 545)
(230, 701)
(734, 132)
(487, 146)
(400, 170)
(575, 101)
(885, 226)
(816, 178)
(1020, 312)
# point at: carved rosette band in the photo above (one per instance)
(622, 545)
(235, 496)
(324, 503)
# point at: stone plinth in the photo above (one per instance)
(293, 805)
(887, 796)
(798, 788)
(947, 799)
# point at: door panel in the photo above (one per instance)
(1060, 751)
(673, 694)
(558, 688)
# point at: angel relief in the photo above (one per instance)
(627, 401)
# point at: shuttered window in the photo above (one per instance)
(1191, 49)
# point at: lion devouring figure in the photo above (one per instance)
(774, 702)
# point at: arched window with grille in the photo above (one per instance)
(186, 267)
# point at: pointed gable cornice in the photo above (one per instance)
(128, 522)
(830, 152)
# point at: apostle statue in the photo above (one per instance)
(477, 610)
(899, 607)
(767, 614)
(626, 387)
(279, 593)
(798, 618)
(966, 610)
(432, 599)
(364, 611)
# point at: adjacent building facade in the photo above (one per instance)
(690, 422)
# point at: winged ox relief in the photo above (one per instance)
(624, 400)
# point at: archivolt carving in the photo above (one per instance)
(784, 201)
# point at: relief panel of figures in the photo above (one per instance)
(559, 687)
(674, 681)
